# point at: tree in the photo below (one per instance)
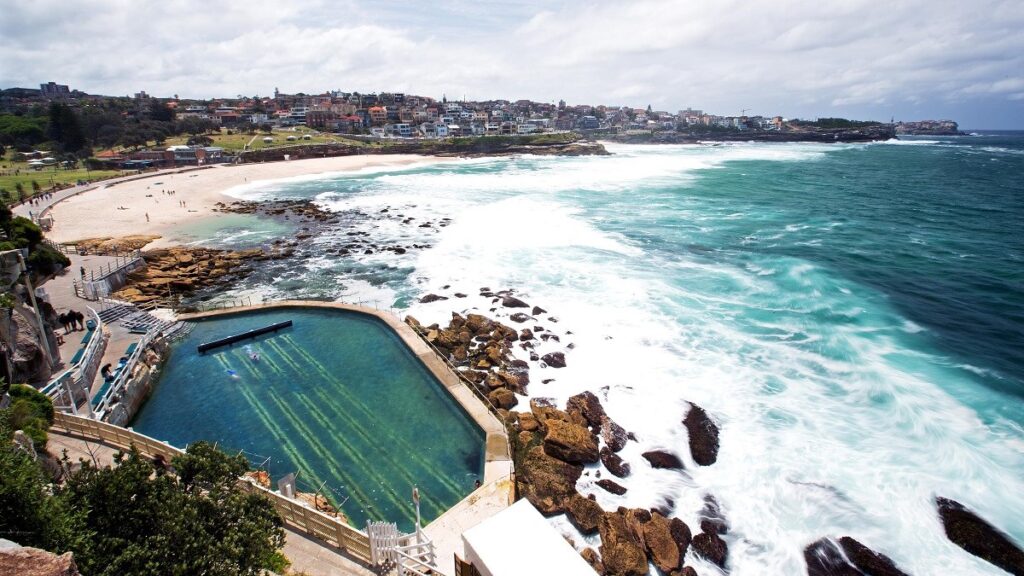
(133, 518)
(19, 189)
(200, 140)
(64, 128)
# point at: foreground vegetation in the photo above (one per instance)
(135, 517)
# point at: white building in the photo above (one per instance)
(539, 549)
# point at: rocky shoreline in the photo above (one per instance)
(462, 147)
(865, 134)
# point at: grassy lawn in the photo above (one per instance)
(239, 141)
(45, 177)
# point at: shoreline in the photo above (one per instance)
(142, 207)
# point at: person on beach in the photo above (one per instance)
(147, 216)
(82, 269)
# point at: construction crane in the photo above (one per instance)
(743, 112)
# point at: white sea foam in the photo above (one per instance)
(835, 420)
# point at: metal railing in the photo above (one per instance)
(78, 377)
(294, 514)
(124, 374)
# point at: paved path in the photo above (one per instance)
(307, 555)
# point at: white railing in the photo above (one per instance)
(124, 374)
(408, 554)
(293, 513)
(77, 379)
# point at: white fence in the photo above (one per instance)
(69, 387)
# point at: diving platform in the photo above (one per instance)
(243, 336)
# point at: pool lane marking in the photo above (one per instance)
(285, 439)
(329, 424)
(358, 455)
(323, 451)
(356, 402)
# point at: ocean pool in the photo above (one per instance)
(338, 398)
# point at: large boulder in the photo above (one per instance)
(711, 547)
(614, 463)
(824, 558)
(478, 324)
(612, 486)
(622, 549)
(513, 302)
(867, 560)
(975, 535)
(554, 359)
(570, 442)
(614, 436)
(26, 561)
(503, 398)
(663, 459)
(589, 406)
(703, 436)
(590, 555)
(661, 546)
(547, 482)
(584, 513)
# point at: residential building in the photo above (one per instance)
(378, 115)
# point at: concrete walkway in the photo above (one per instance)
(307, 555)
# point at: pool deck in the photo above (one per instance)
(497, 490)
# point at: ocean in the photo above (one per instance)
(852, 315)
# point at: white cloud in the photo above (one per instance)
(794, 57)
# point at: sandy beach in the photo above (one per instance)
(122, 209)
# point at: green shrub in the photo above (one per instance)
(30, 411)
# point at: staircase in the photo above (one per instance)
(140, 321)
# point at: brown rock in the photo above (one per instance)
(546, 482)
(590, 555)
(703, 436)
(680, 535)
(554, 359)
(478, 324)
(613, 434)
(587, 405)
(584, 513)
(503, 398)
(661, 546)
(570, 442)
(711, 547)
(688, 571)
(431, 298)
(622, 550)
(528, 422)
(663, 459)
(26, 561)
(611, 486)
(614, 463)
(526, 334)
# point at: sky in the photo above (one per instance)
(864, 59)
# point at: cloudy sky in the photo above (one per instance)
(909, 59)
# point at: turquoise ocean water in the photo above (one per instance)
(852, 315)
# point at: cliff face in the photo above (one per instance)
(929, 128)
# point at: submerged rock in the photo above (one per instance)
(711, 547)
(614, 463)
(703, 436)
(614, 436)
(975, 535)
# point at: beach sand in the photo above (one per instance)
(97, 213)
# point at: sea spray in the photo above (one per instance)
(850, 323)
